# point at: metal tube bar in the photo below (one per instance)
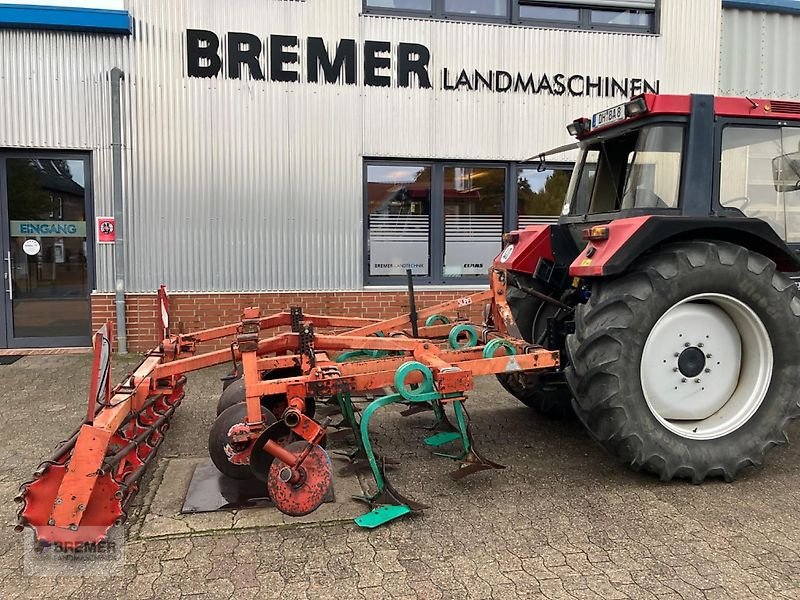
(116, 181)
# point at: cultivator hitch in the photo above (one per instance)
(266, 426)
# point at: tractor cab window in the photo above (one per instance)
(639, 169)
(754, 174)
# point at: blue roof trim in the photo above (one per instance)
(28, 16)
(791, 7)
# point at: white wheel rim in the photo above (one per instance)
(723, 338)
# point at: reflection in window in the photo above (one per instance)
(549, 13)
(790, 137)
(473, 218)
(493, 8)
(630, 18)
(540, 195)
(421, 5)
(399, 206)
(746, 176)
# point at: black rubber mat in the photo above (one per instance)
(9, 360)
(210, 491)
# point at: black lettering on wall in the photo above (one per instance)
(413, 58)
(487, 83)
(650, 89)
(619, 89)
(244, 49)
(318, 57)
(558, 84)
(593, 85)
(446, 80)
(278, 57)
(524, 84)
(202, 53)
(373, 62)
(571, 85)
(503, 81)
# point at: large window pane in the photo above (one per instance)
(654, 169)
(549, 13)
(399, 206)
(746, 179)
(473, 218)
(493, 8)
(635, 18)
(540, 195)
(791, 147)
(421, 5)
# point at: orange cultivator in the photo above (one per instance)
(265, 427)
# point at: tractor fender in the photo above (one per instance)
(525, 248)
(614, 246)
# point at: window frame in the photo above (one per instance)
(721, 125)
(436, 243)
(513, 17)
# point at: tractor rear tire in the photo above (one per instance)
(550, 399)
(686, 316)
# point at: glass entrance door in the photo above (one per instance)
(47, 275)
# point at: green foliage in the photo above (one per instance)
(549, 200)
(26, 198)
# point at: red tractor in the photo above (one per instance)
(666, 284)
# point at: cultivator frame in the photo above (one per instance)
(86, 487)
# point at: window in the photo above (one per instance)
(540, 194)
(491, 8)
(399, 208)
(640, 169)
(445, 220)
(759, 176)
(638, 16)
(474, 198)
(415, 5)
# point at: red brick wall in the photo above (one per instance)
(202, 311)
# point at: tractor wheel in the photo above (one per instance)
(686, 365)
(548, 397)
(219, 441)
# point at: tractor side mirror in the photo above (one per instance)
(786, 172)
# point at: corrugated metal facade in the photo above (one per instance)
(257, 185)
(759, 53)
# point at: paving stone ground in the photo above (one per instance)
(564, 520)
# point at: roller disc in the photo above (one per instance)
(218, 440)
(305, 496)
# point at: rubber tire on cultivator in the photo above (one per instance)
(551, 399)
(612, 331)
(218, 439)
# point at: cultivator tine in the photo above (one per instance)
(474, 463)
(415, 409)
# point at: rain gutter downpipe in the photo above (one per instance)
(119, 247)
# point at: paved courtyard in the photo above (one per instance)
(564, 520)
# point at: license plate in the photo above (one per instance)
(608, 116)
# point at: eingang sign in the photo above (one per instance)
(278, 58)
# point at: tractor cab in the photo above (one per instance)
(668, 167)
